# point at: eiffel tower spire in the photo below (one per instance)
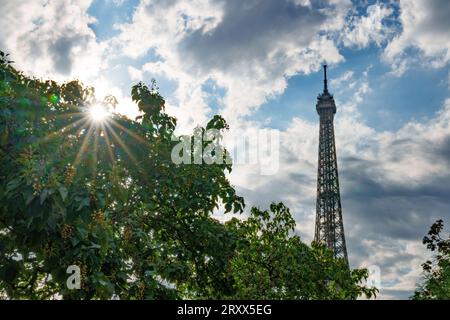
(325, 85)
(329, 224)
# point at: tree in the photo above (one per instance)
(272, 264)
(436, 284)
(103, 196)
(106, 197)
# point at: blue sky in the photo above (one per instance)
(108, 13)
(417, 94)
(259, 65)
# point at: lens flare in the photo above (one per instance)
(53, 98)
(98, 113)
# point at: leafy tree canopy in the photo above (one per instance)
(272, 264)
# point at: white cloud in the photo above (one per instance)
(346, 79)
(360, 31)
(135, 74)
(425, 28)
(117, 2)
(51, 38)
(396, 258)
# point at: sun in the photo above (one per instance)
(98, 113)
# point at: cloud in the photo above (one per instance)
(399, 262)
(135, 74)
(425, 27)
(51, 38)
(345, 79)
(251, 47)
(117, 2)
(249, 32)
(393, 187)
(360, 31)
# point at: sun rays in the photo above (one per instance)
(97, 130)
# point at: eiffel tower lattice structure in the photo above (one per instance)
(329, 225)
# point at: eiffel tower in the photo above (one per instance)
(329, 224)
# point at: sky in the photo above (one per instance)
(258, 64)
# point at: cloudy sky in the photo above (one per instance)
(258, 63)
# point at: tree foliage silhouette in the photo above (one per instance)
(436, 284)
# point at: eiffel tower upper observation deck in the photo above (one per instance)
(329, 224)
